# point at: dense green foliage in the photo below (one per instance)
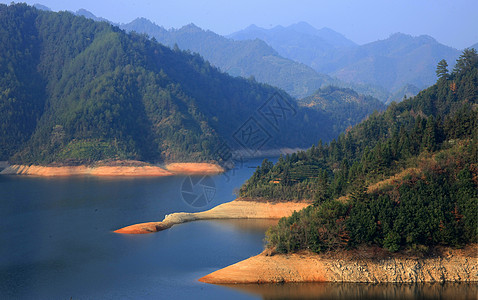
(75, 91)
(433, 136)
(21, 94)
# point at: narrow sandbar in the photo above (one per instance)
(237, 209)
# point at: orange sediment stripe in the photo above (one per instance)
(143, 228)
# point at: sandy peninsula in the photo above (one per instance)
(237, 209)
(117, 168)
(371, 266)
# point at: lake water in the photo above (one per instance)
(57, 242)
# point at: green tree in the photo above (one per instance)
(442, 69)
(467, 60)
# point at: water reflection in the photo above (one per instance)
(455, 291)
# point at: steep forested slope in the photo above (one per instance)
(75, 91)
(22, 96)
(406, 178)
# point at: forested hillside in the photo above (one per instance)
(405, 178)
(345, 106)
(77, 91)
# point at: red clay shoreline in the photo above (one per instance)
(132, 169)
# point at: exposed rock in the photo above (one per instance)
(460, 266)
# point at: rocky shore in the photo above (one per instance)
(376, 266)
(237, 209)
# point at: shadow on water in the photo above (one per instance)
(455, 291)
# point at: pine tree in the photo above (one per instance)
(467, 60)
(442, 69)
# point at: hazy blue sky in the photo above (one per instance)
(451, 22)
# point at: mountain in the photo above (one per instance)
(89, 15)
(300, 42)
(407, 91)
(404, 179)
(78, 91)
(81, 12)
(475, 46)
(345, 106)
(41, 7)
(332, 37)
(238, 58)
(392, 64)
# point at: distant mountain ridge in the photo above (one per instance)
(250, 59)
(392, 63)
(238, 58)
(41, 7)
(371, 69)
(89, 15)
(81, 12)
(300, 42)
(302, 31)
